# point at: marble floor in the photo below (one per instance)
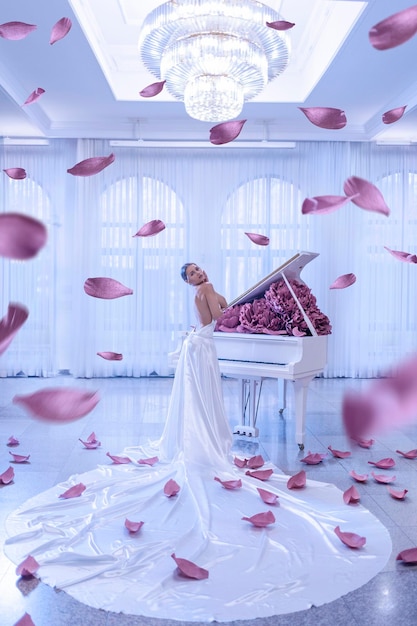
(132, 410)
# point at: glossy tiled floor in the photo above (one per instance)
(131, 411)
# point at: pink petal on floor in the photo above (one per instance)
(352, 540)
(298, 481)
(150, 229)
(20, 458)
(17, 173)
(240, 462)
(73, 492)
(118, 460)
(106, 288)
(226, 132)
(394, 30)
(260, 520)
(260, 474)
(365, 195)
(152, 90)
(341, 282)
(92, 438)
(151, 461)
(133, 527)
(171, 488)
(7, 476)
(321, 205)
(229, 484)
(383, 463)
(339, 454)
(360, 478)
(59, 404)
(190, 569)
(260, 240)
(407, 257)
(10, 324)
(280, 25)
(365, 443)
(90, 445)
(411, 454)
(26, 620)
(60, 30)
(383, 478)
(325, 117)
(21, 236)
(267, 496)
(91, 166)
(408, 556)
(16, 30)
(12, 441)
(111, 356)
(34, 96)
(28, 567)
(398, 494)
(351, 495)
(389, 117)
(313, 458)
(255, 461)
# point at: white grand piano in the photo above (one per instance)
(253, 357)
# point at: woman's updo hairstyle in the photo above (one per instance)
(184, 271)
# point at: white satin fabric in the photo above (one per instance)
(84, 548)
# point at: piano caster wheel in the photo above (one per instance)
(301, 446)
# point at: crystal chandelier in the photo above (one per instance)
(213, 54)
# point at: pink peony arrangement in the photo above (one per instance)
(277, 313)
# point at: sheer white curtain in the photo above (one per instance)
(208, 199)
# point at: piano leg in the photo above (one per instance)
(282, 393)
(248, 407)
(300, 397)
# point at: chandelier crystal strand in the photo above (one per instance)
(214, 55)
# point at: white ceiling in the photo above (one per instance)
(92, 78)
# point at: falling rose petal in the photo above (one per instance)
(190, 569)
(152, 90)
(260, 474)
(150, 229)
(398, 494)
(20, 458)
(106, 288)
(10, 324)
(260, 240)
(226, 132)
(321, 205)
(407, 257)
(60, 30)
(229, 484)
(12, 441)
(151, 461)
(7, 476)
(313, 458)
(411, 454)
(118, 460)
(91, 166)
(383, 463)
(17, 173)
(28, 567)
(35, 95)
(26, 620)
(21, 236)
(111, 356)
(280, 25)
(73, 492)
(338, 453)
(382, 478)
(351, 495)
(394, 30)
(365, 195)
(16, 30)
(256, 461)
(59, 404)
(360, 478)
(90, 445)
(171, 488)
(346, 280)
(267, 496)
(389, 117)
(298, 481)
(240, 462)
(352, 540)
(407, 556)
(133, 527)
(325, 117)
(260, 520)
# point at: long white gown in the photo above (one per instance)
(298, 561)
